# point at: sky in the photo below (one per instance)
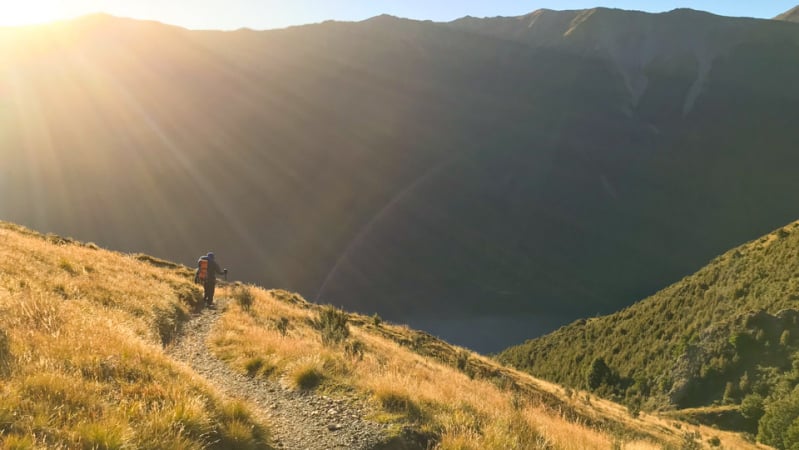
(267, 14)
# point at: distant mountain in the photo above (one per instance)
(792, 15)
(554, 165)
(726, 335)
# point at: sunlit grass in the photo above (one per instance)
(83, 364)
(281, 331)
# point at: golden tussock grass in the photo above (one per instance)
(84, 367)
(405, 387)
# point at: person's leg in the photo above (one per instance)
(207, 292)
(209, 289)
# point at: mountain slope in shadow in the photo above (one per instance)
(560, 163)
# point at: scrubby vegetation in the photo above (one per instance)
(727, 335)
(81, 361)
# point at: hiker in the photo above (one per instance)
(207, 270)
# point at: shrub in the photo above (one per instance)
(376, 320)
(714, 441)
(243, 296)
(778, 418)
(598, 374)
(462, 360)
(634, 407)
(785, 338)
(689, 442)
(355, 349)
(282, 325)
(332, 325)
(752, 407)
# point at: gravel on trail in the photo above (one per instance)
(298, 420)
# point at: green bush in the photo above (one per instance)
(779, 426)
(752, 407)
(332, 325)
(598, 374)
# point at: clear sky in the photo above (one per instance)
(263, 14)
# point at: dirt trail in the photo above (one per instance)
(298, 420)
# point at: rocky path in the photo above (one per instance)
(298, 420)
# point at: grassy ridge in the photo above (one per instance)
(720, 336)
(81, 361)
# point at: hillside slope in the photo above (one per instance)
(792, 15)
(106, 350)
(414, 169)
(724, 335)
(81, 360)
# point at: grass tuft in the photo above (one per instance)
(237, 435)
(167, 322)
(307, 375)
(101, 436)
(258, 366)
(190, 415)
(6, 357)
(16, 442)
(332, 325)
(67, 267)
(396, 401)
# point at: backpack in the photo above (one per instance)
(202, 270)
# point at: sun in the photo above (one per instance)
(29, 12)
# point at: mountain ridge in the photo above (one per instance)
(528, 180)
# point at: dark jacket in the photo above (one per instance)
(213, 269)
